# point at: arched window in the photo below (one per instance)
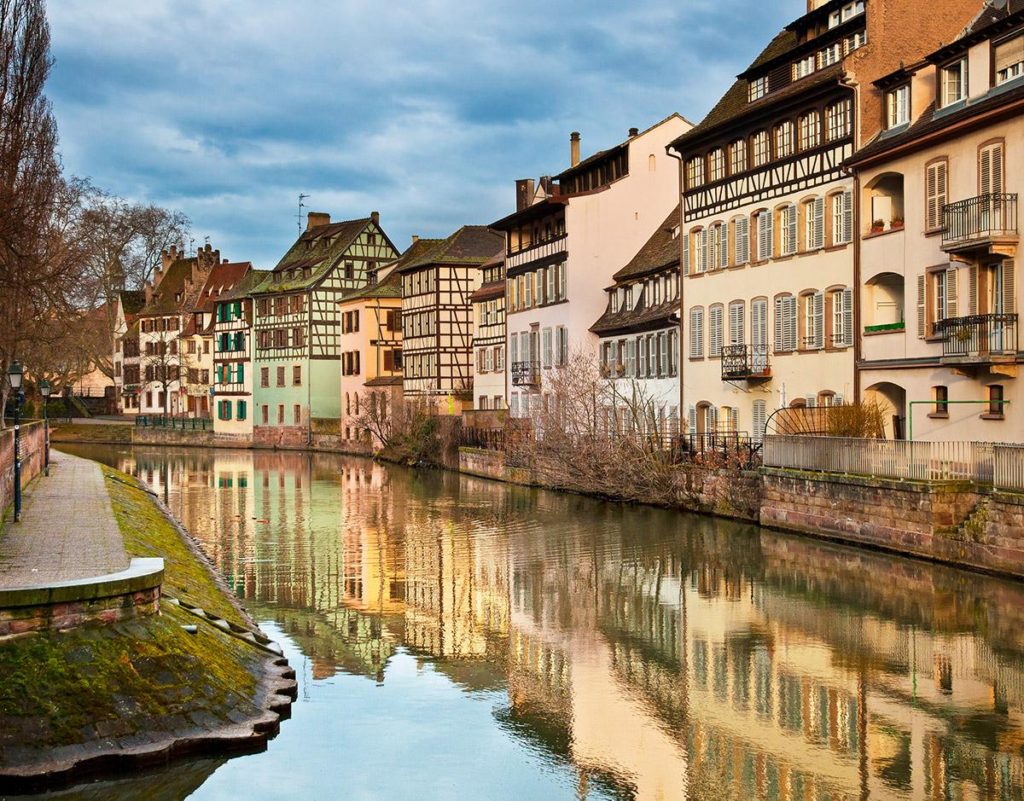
(783, 140)
(761, 148)
(787, 229)
(738, 157)
(810, 130)
(812, 211)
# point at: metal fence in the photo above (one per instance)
(1008, 467)
(898, 459)
(179, 423)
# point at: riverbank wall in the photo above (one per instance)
(32, 446)
(956, 523)
(197, 679)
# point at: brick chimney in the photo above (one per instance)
(524, 193)
(574, 148)
(415, 238)
(375, 217)
(315, 218)
(634, 132)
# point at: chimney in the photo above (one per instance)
(148, 290)
(547, 185)
(574, 148)
(375, 217)
(415, 238)
(524, 193)
(634, 132)
(315, 218)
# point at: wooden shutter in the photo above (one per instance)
(742, 240)
(723, 245)
(951, 293)
(1009, 288)
(715, 331)
(972, 293)
(790, 305)
(818, 300)
(935, 192)
(791, 216)
(922, 319)
(686, 254)
(990, 169)
(819, 222)
(848, 317)
(847, 216)
(736, 324)
(696, 336)
(389, 361)
(780, 324)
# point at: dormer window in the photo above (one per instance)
(855, 41)
(954, 82)
(897, 106)
(758, 88)
(695, 172)
(1009, 59)
(830, 55)
(847, 12)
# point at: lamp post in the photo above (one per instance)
(15, 375)
(44, 390)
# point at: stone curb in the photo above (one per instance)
(141, 575)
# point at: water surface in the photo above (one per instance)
(461, 639)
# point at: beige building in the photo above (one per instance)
(489, 337)
(770, 220)
(940, 347)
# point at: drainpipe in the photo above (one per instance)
(682, 284)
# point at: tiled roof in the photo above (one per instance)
(320, 248)
(384, 381)
(491, 291)
(641, 318)
(132, 300)
(471, 244)
(222, 278)
(659, 252)
(600, 154)
(173, 283)
(390, 287)
(932, 121)
(247, 285)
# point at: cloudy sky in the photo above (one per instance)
(425, 111)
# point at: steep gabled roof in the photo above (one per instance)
(173, 293)
(471, 245)
(600, 154)
(132, 301)
(246, 285)
(389, 287)
(658, 253)
(222, 278)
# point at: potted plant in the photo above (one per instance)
(896, 223)
(877, 226)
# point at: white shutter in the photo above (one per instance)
(847, 216)
(686, 254)
(811, 401)
(642, 350)
(764, 235)
(1009, 288)
(951, 293)
(704, 250)
(696, 334)
(791, 229)
(819, 319)
(972, 291)
(723, 245)
(514, 348)
(551, 284)
(547, 348)
(712, 419)
(848, 317)
(790, 322)
(780, 324)
(819, 223)
(734, 419)
(715, 331)
(922, 319)
(691, 420)
(935, 190)
(760, 415)
(742, 240)
(736, 323)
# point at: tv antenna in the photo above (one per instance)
(301, 207)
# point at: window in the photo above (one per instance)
(838, 122)
(941, 397)
(737, 157)
(990, 169)
(695, 172)
(803, 67)
(830, 55)
(841, 302)
(814, 223)
(810, 130)
(785, 324)
(842, 218)
(1009, 59)
(700, 250)
(715, 331)
(280, 414)
(762, 153)
(937, 299)
(280, 376)
(787, 230)
(696, 334)
(718, 256)
(241, 410)
(855, 41)
(758, 88)
(995, 401)
(813, 320)
(954, 82)
(741, 240)
(935, 193)
(897, 106)
(561, 346)
(297, 375)
(297, 412)
(265, 414)
(716, 165)
(765, 235)
(784, 140)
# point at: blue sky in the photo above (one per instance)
(426, 111)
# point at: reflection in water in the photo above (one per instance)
(622, 652)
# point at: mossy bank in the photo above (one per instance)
(100, 699)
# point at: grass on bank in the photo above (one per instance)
(132, 679)
(76, 432)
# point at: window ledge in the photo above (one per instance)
(990, 416)
(833, 248)
(939, 415)
(876, 234)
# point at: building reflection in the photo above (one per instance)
(662, 656)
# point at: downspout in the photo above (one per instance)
(683, 415)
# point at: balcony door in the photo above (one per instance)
(1001, 304)
(990, 186)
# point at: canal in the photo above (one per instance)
(461, 639)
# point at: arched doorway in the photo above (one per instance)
(892, 399)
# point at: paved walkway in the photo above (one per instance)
(67, 529)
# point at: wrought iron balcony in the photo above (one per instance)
(979, 339)
(979, 222)
(526, 374)
(746, 363)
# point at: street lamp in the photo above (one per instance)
(15, 375)
(44, 390)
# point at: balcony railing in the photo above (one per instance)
(979, 220)
(525, 374)
(979, 338)
(748, 362)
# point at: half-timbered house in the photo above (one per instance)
(297, 324)
(940, 343)
(437, 317)
(639, 337)
(371, 354)
(489, 336)
(565, 241)
(232, 358)
(127, 380)
(770, 214)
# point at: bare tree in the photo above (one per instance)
(160, 363)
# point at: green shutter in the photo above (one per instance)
(241, 410)
(240, 375)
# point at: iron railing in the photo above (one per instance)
(745, 361)
(1008, 468)
(169, 421)
(979, 336)
(880, 458)
(526, 374)
(491, 439)
(978, 218)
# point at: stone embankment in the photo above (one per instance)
(93, 691)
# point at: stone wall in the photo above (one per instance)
(32, 456)
(999, 525)
(69, 614)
